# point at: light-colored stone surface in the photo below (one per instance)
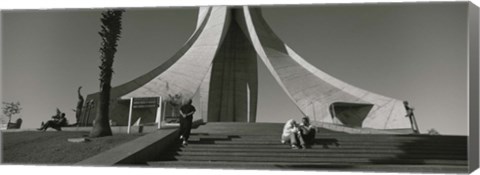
(222, 70)
(341, 128)
(232, 92)
(144, 148)
(313, 90)
(185, 76)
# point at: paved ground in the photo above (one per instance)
(31, 147)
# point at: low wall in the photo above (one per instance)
(350, 130)
(115, 129)
(138, 151)
(120, 129)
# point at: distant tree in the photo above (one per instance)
(433, 132)
(110, 34)
(10, 109)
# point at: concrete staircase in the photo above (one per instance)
(257, 146)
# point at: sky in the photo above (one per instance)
(414, 52)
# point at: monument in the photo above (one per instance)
(219, 63)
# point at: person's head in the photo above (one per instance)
(405, 103)
(290, 123)
(189, 101)
(62, 115)
(306, 120)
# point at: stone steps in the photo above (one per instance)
(258, 146)
(323, 151)
(330, 146)
(320, 142)
(301, 153)
(312, 166)
(286, 159)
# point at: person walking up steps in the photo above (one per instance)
(186, 112)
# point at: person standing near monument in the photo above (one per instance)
(186, 112)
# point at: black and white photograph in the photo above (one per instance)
(386, 87)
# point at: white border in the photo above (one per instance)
(88, 4)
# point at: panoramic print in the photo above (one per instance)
(346, 87)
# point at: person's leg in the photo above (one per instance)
(311, 137)
(188, 127)
(46, 125)
(293, 141)
(182, 128)
(300, 139)
(42, 126)
(57, 127)
(285, 139)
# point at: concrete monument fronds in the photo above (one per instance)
(219, 63)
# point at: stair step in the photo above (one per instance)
(332, 136)
(300, 153)
(319, 133)
(348, 146)
(312, 166)
(319, 160)
(322, 151)
(337, 137)
(275, 142)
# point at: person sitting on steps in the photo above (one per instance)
(307, 131)
(56, 123)
(292, 134)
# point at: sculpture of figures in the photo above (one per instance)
(78, 110)
(411, 116)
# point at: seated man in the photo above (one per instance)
(56, 123)
(307, 131)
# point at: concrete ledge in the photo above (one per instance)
(138, 151)
(349, 130)
(115, 129)
(120, 129)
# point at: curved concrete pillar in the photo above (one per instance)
(313, 90)
(185, 76)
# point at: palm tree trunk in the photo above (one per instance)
(110, 33)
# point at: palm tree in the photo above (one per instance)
(110, 33)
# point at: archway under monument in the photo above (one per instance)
(219, 63)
